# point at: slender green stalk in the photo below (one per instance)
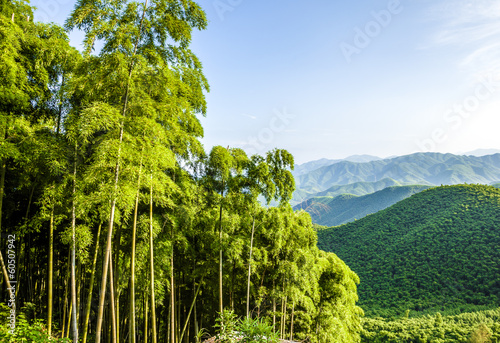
(91, 287)
(172, 292)
(190, 310)
(250, 267)
(132, 333)
(221, 307)
(112, 296)
(73, 250)
(51, 271)
(100, 314)
(2, 185)
(152, 271)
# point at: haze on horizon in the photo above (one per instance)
(329, 79)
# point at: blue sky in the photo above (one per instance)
(329, 79)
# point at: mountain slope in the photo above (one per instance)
(332, 211)
(435, 251)
(357, 188)
(416, 169)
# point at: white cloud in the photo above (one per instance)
(473, 27)
(249, 116)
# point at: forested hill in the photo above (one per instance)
(435, 251)
(332, 211)
(416, 169)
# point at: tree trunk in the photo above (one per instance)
(116, 284)
(196, 326)
(132, 334)
(91, 288)
(190, 310)
(69, 318)
(73, 250)
(132, 262)
(250, 267)
(145, 319)
(112, 296)
(113, 203)
(4, 269)
(65, 306)
(274, 308)
(221, 307)
(51, 269)
(291, 324)
(153, 304)
(6, 277)
(107, 254)
(172, 292)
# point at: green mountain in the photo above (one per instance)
(357, 188)
(435, 251)
(432, 169)
(307, 167)
(332, 211)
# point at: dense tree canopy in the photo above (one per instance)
(435, 251)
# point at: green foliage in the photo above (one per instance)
(436, 251)
(227, 324)
(34, 331)
(356, 188)
(231, 329)
(483, 326)
(333, 211)
(257, 331)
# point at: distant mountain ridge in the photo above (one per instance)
(333, 211)
(431, 169)
(313, 165)
(482, 152)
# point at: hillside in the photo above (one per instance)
(332, 211)
(435, 251)
(432, 169)
(357, 188)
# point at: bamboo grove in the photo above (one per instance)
(126, 230)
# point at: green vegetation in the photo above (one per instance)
(356, 188)
(476, 327)
(434, 252)
(119, 226)
(334, 211)
(29, 330)
(232, 329)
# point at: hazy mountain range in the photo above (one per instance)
(431, 169)
(320, 183)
